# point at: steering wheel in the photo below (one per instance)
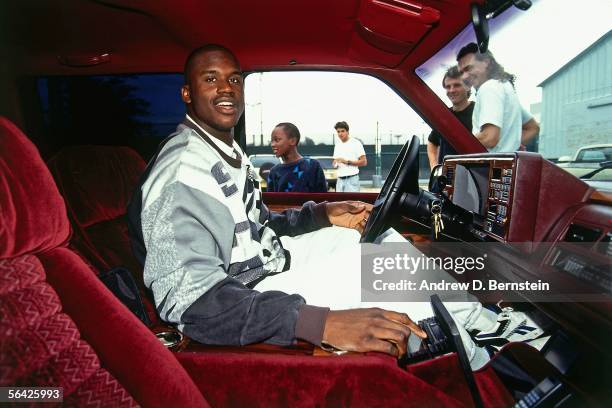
(403, 178)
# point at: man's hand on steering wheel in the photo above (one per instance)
(349, 214)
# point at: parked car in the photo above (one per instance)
(586, 159)
(590, 154)
(331, 173)
(262, 164)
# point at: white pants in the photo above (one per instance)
(347, 184)
(325, 270)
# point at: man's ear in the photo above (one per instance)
(186, 93)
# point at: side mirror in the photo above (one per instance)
(436, 173)
(564, 159)
(481, 27)
(491, 9)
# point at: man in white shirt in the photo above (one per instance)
(499, 121)
(348, 157)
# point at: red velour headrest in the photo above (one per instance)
(32, 212)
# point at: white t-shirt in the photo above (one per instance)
(498, 104)
(351, 150)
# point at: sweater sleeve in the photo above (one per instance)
(231, 314)
(292, 222)
(320, 185)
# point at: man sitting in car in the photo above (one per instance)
(215, 257)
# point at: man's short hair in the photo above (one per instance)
(454, 73)
(200, 50)
(291, 130)
(342, 125)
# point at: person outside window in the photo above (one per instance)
(348, 157)
(458, 93)
(295, 173)
(499, 121)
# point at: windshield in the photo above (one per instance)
(547, 87)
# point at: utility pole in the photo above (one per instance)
(377, 177)
(377, 151)
(261, 106)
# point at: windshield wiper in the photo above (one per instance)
(604, 165)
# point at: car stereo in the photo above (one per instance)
(484, 187)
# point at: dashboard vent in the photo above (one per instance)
(580, 233)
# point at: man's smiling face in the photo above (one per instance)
(214, 92)
(456, 90)
(474, 71)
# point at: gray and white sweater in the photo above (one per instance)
(198, 221)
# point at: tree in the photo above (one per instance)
(308, 142)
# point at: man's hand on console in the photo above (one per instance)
(349, 214)
(373, 329)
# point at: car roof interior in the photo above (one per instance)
(142, 36)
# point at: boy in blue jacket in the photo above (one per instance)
(295, 173)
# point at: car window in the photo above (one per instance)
(591, 155)
(315, 101)
(559, 61)
(595, 154)
(134, 110)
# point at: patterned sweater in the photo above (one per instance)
(198, 222)
(304, 175)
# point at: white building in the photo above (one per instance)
(577, 102)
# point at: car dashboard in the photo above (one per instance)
(552, 226)
(512, 197)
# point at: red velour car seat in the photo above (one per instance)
(60, 326)
(97, 183)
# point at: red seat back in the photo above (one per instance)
(60, 327)
(97, 183)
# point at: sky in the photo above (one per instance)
(532, 45)
(316, 101)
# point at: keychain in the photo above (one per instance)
(436, 218)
